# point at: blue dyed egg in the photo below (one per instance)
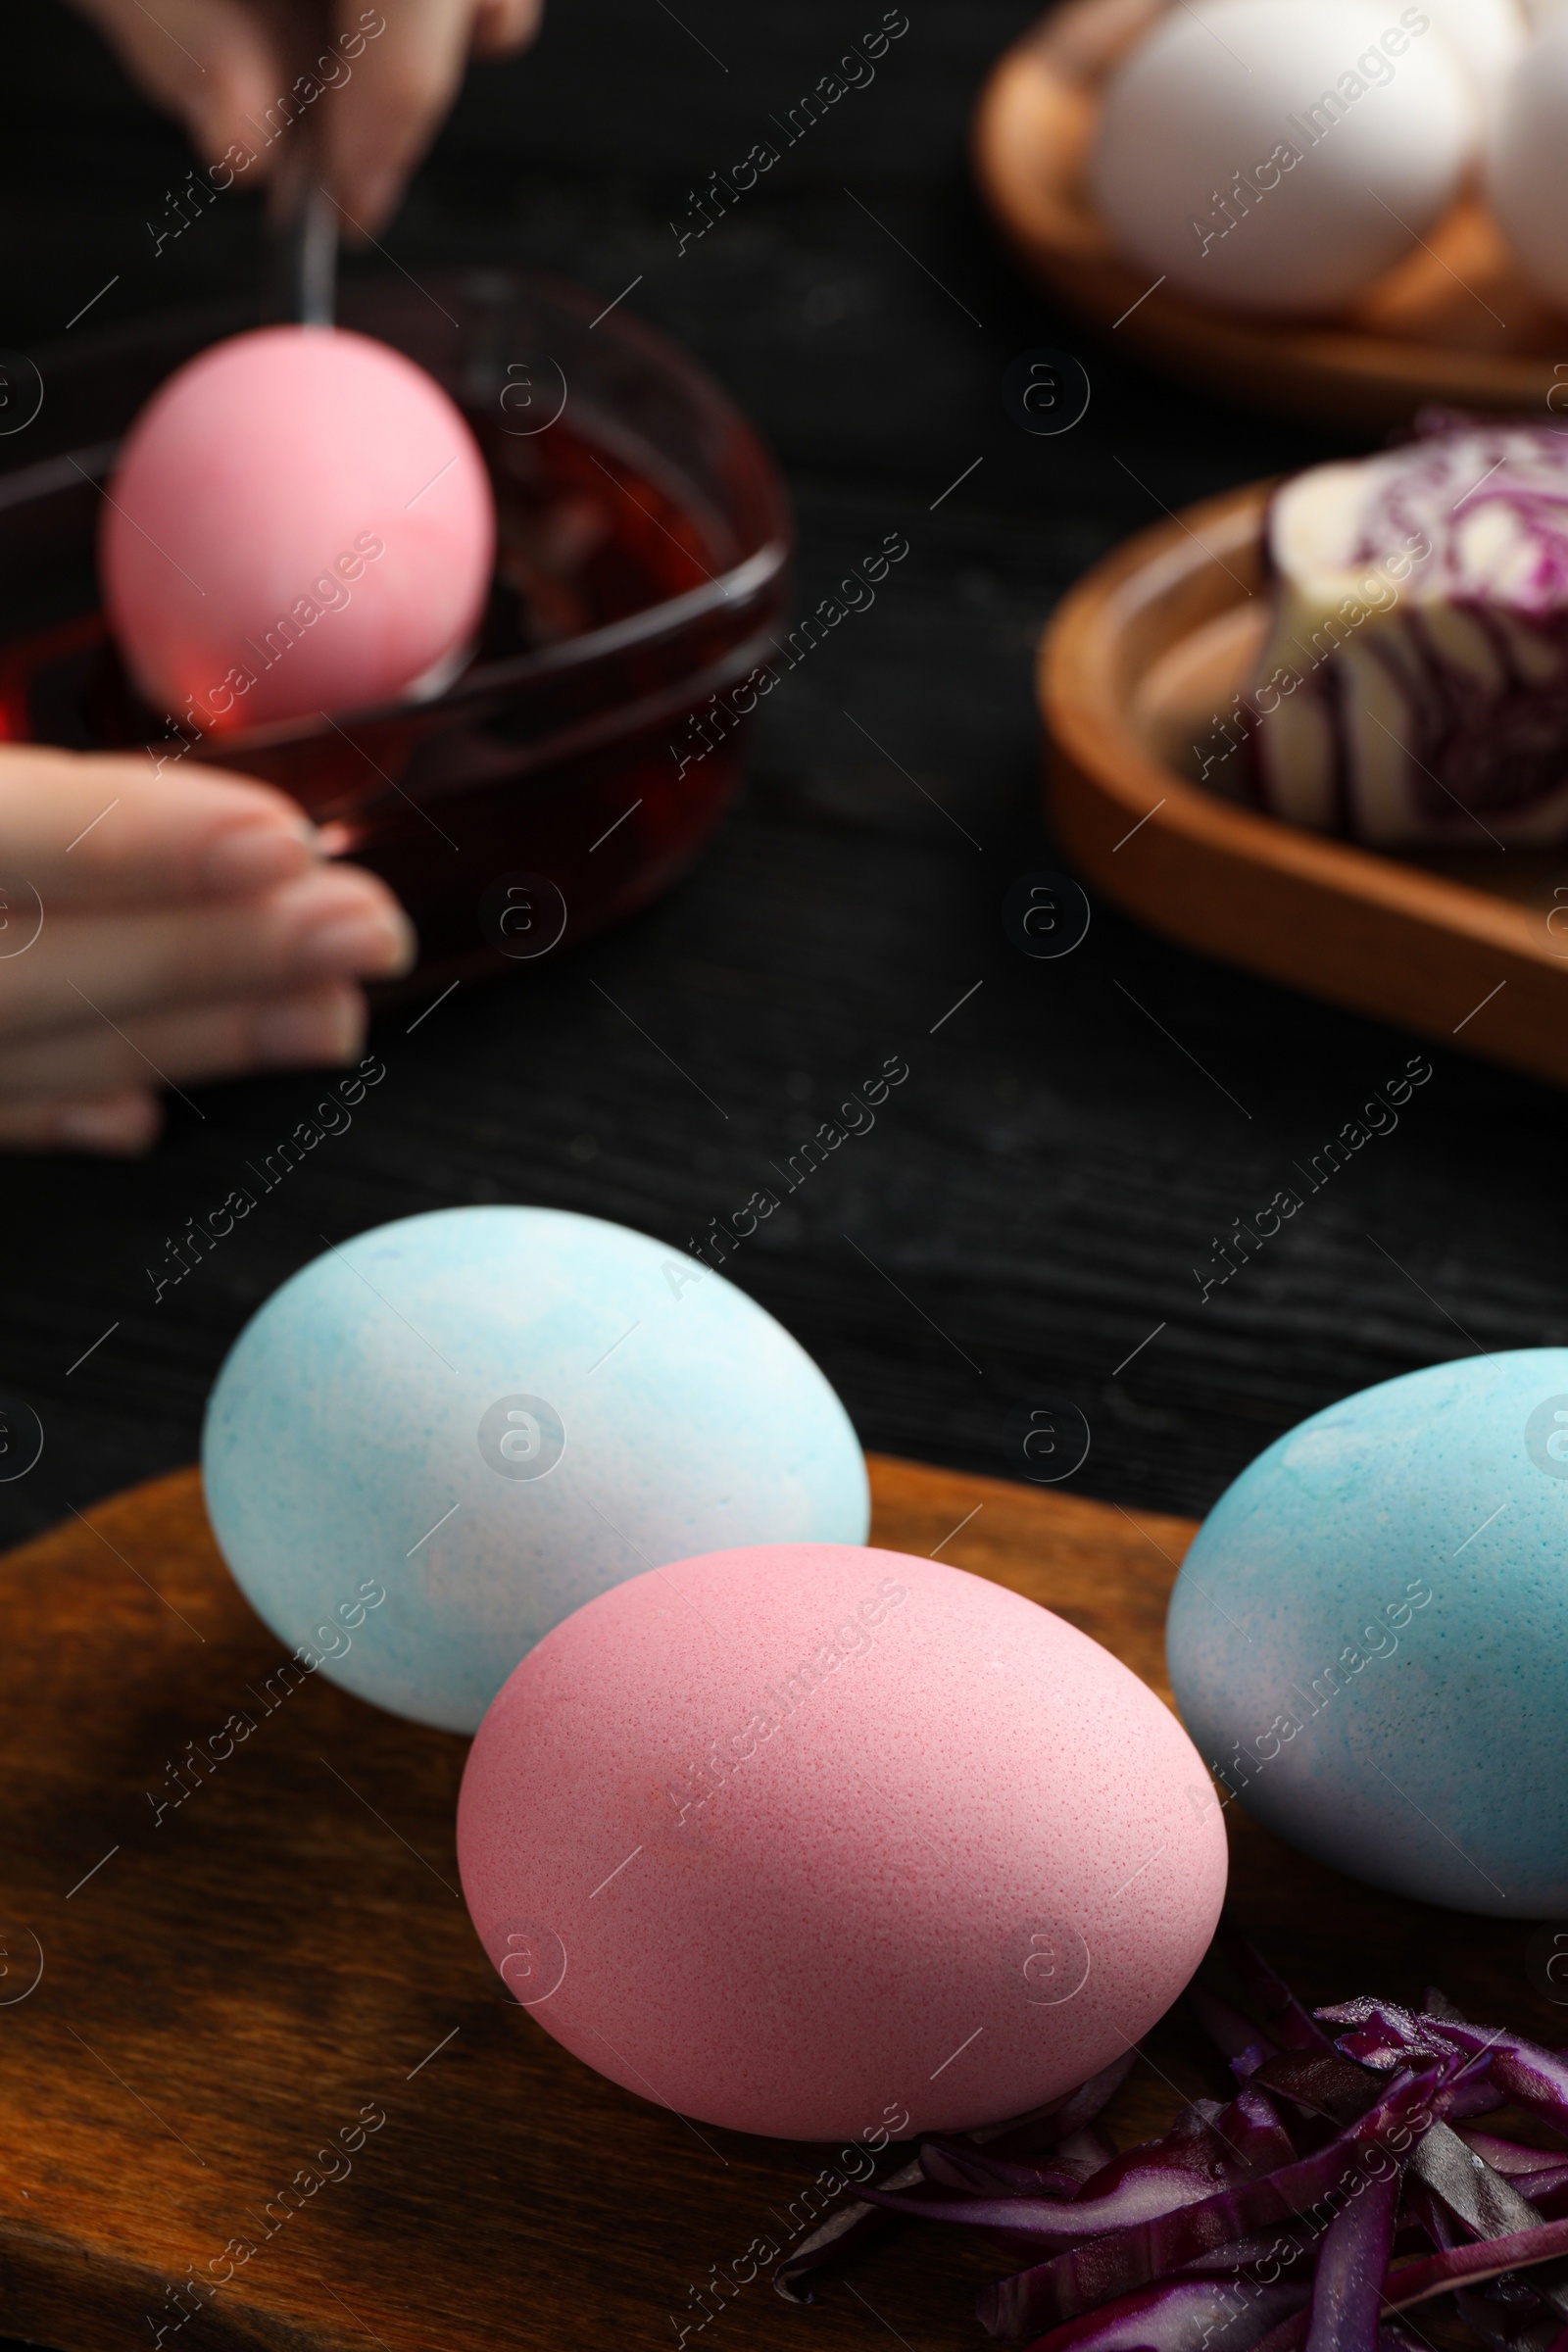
(1369, 1637)
(436, 1441)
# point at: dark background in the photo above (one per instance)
(1054, 1167)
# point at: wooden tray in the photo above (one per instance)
(1468, 948)
(1454, 323)
(222, 1994)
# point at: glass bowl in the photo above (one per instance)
(575, 765)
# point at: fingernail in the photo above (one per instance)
(377, 945)
(371, 197)
(309, 1029)
(127, 1127)
(256, 857)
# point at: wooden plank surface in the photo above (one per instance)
(1056, 1165)
(233, 1986)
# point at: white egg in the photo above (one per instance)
(1487, 37)
(1527, 160)
(1279, 155)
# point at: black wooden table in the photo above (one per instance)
(1026, 1217)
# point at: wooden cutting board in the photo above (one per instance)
(197, 2005)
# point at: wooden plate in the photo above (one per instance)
(1469, 949)
(196, 2006)
(1454, 323)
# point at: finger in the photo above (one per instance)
(404, 81)
(309, 1030)
(121, 1125)
(334, 925)
(500, 26)
(85, 831)
(214, 64)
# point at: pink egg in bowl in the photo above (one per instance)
(795, 1838)
(642, 568)
(300, 522)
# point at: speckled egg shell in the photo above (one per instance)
(805, 1840)
(491, 1416)
(1369, 1637)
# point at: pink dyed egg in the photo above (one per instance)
(300, 522)
(807, 1838)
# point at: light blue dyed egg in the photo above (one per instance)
(1369, 1637)
(489, 1416)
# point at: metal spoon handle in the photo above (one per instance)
(302, 236)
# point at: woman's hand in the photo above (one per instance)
(227, 67)
(189, 930)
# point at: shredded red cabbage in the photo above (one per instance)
(1056, 2126)
(1347, 2281)
(1332, 2193)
